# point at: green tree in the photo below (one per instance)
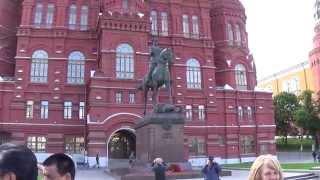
(307, 115)
(285, 105)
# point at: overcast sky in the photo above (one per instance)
(280, 33)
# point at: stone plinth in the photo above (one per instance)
(160, 135)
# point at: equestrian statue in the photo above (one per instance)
(158, 76)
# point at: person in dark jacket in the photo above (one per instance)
(159, 169)
(97, 161)
(211, 170)
(314, 155)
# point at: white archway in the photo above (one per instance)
(129, 129)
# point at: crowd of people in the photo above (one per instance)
(18, 162)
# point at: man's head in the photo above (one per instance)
(211, 158)
(17, 163)
(59, 167)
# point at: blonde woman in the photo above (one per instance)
(266, 167)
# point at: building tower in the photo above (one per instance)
(235, 66)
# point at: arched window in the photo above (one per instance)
(193, 74)
(124, 62)
(229, 34)
(154, 22)
(76, 61)
(39, 67)
(72, 16)
(84, 18)
(238, 35)
(241, 77)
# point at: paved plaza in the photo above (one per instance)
(99, 174)
(284, 157)
(93, 174)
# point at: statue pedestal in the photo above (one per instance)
(160, 135)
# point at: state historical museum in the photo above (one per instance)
(70, 71)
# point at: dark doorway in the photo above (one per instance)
(5, 137)
(121, 144)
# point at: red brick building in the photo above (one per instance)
(76, 64)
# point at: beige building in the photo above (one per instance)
(294, 79)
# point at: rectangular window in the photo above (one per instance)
(72, 17)
(38, 15)
(29, 110)
(37, 143)
(264, 149)
(74, 145)
(220, 140)
(188, 113)
(118, 97)
(84, 18)
(185, 26)
(195, 27)
(238, 35)
(131, 98)
(230, 34)
(67, 110)
(240, 113)
(125, 4)
(196, 146)
(44, 110)
(201, 112)
(81, 110)
(247, 144)
(250, 114)
(50, 15)
(164, 24)
(154, 23)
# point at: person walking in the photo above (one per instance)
(265, 167)
(159, 169)
(314, 155)
(131, 159)
(318, 156)
(97, 160)
(211, 170)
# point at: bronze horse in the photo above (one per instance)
(160, 76)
